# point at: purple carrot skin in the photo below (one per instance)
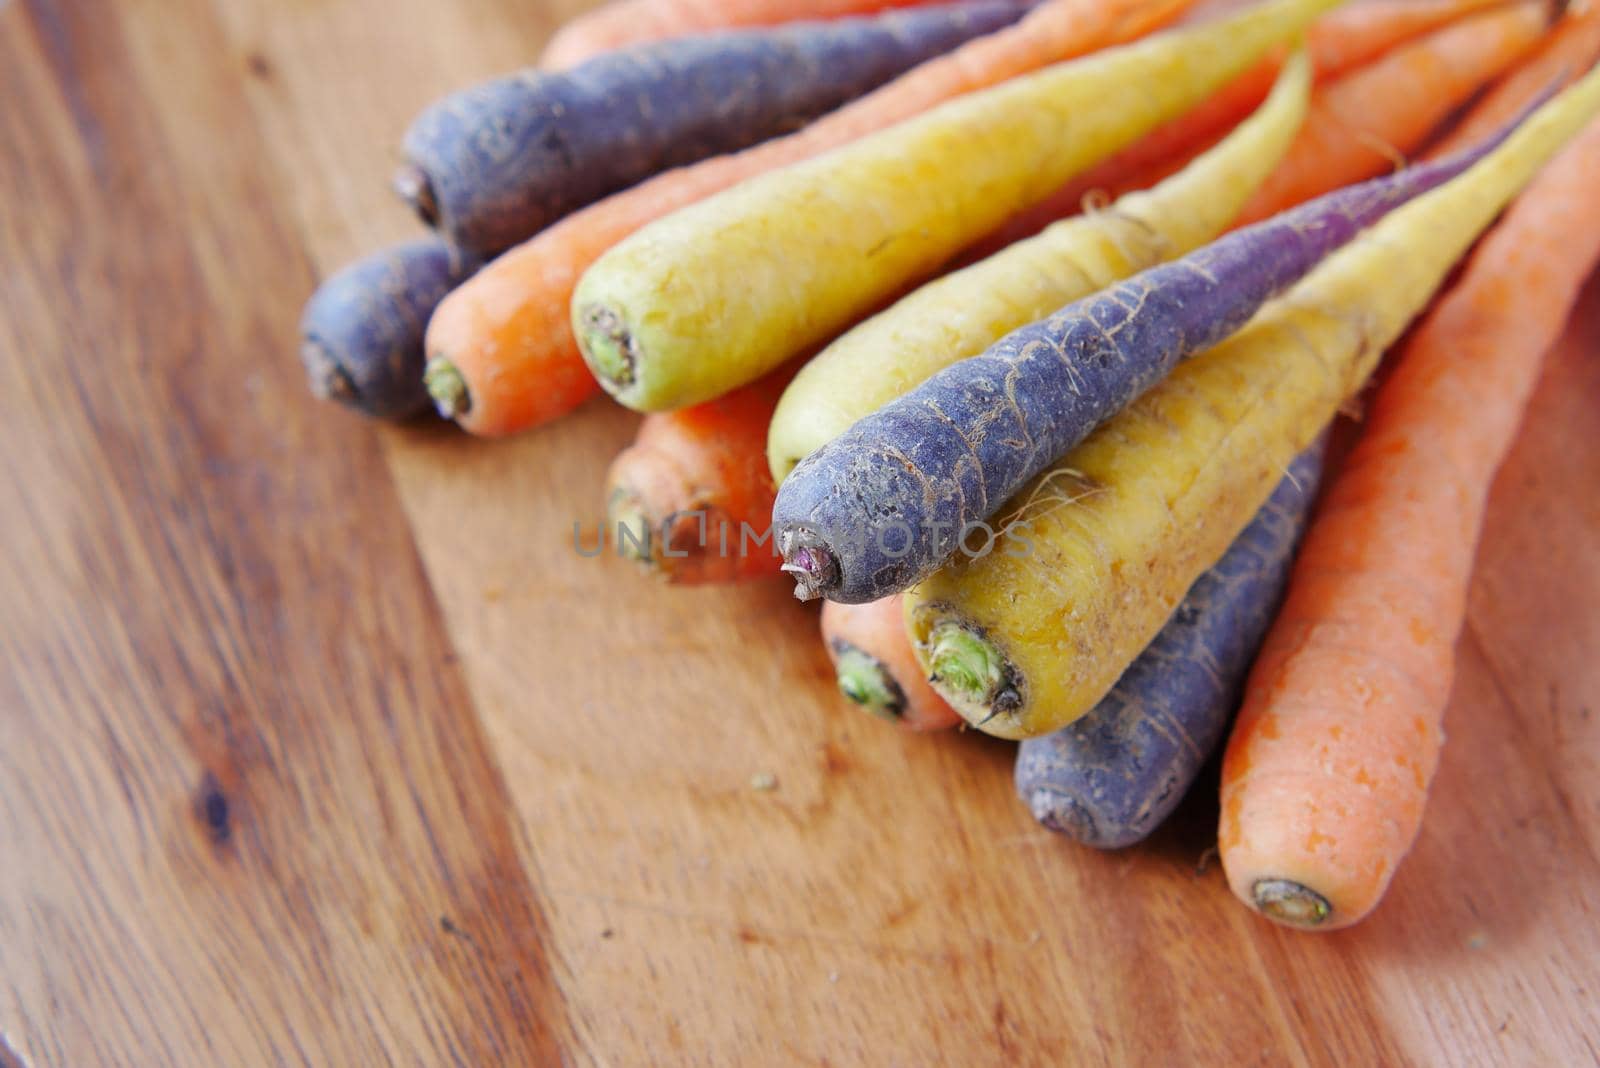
(494, 164)
(361, 332)
(1115, 775)
(882, 506)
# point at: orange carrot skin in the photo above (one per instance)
(1327, 772)
(1345, 39)
(507, 333)
(1572, 47)
(631, 22)
(703, 469)
(1395, 103)
(877, 631)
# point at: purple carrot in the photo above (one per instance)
(361, 332)
(1112, 777)
(883, 505)
(494, 164)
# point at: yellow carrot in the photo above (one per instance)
(965, 312)
(714, 296)
(1155, 497)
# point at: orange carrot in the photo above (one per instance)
(694, 490)
(1356, 35)
(876, 667)
(1360, 125)
(501, 350)
(1328, 769)
(632, 22)
(1339, 43)
(1570, 50)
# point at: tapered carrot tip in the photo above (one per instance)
(809, 562)
(1289, 902)
(971, 674)
(328, 379)
(447, 388)
(864, 681)
(610, 347)
(416, 189)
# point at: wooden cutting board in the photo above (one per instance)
(321, 744)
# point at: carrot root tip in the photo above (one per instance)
(1290, 903)
(609, 346)
(812, 565)
(416, 189)
(864, 682)
(328, 379)
(447, 388)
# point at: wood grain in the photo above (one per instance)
(322, 745)
(248, 814)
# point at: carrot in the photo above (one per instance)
(494, 164)
(693, 490)
(1328, 770)
(1571, 49)
(964, 312)
(1361, 123)
(1338, 43)
(717, 294)
(625, 23)
(1024, 642)
(1115, 775)
(361, 332)
(502, 355)
(885, 503)
(876, 667)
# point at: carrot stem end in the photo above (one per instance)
(416, 189)
(1288, 902)
(864, 682)
(965, 667)
(809, 562)
(447, 388)
(609, 345)
(328, 379)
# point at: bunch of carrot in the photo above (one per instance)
(1051, 470)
